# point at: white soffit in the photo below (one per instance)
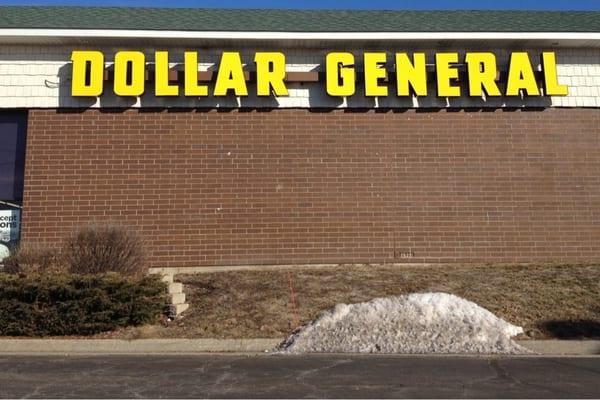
(299, 39)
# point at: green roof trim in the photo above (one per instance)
(186, 19)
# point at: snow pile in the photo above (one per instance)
(415, 323)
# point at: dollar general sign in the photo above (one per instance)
(408, 73)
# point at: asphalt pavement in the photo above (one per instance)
(276, 376)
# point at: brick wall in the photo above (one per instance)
(301, 186)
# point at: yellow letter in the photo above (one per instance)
(339, 74)
(445, 73)
(373, 73)
(521, 76)
(413, 74)
(161, 77)
(552, 87)
(138, 73)
(191, 86)
(268, 77)
(80, 86)
(482, 72)
(231, 75)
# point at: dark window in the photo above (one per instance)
(13, 131)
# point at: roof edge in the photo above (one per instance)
(277, 35)
(300, 10)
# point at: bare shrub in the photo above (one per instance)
(101, 248)
(34, 258)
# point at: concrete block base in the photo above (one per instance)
(175, 290)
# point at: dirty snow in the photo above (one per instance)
(415, 323)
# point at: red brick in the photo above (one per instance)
(298, 186)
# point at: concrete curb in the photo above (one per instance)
(562, 347)
(190, 346)
(138, 346)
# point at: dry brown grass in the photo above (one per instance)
(547, 300)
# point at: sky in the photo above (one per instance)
(334, 4)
